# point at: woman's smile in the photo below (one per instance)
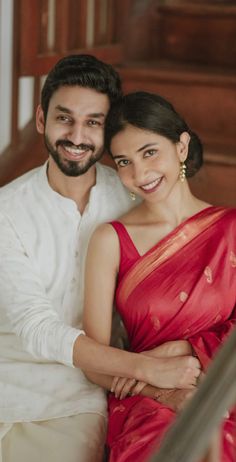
(152, 186)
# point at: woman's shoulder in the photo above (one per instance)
(105, 236)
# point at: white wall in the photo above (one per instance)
(6, 10)
(6, 65)
(26, 84)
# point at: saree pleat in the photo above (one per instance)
(182, 288)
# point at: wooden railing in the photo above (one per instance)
(47, 30)
(121, 32)
(50, 29)
(43, 32)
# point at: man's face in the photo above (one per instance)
(74, 128)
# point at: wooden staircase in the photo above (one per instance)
(206, 97)
(186, 51)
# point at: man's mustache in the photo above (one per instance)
(81, 146)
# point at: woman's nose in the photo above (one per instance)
(138, 172)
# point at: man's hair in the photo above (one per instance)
(84, 71)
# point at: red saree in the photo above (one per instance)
(182, 288)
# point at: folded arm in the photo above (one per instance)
(100, 283)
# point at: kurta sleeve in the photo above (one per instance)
(25, 307)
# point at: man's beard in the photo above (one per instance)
(73, 167)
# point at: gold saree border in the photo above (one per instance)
(167, 247)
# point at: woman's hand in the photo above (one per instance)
(177, 372)
(123, 387)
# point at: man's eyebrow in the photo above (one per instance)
(63, 109)
(96, 115)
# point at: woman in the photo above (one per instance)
(170, 261)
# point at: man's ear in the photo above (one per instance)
(40, 122)
(183, 143)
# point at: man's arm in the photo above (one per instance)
(25, 304)
(97, 359)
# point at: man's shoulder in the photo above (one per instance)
(15, 187)
(109, 178)
(12, 192)
(107, 171)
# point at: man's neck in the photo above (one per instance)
(75, 188)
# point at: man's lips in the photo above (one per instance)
(75, 152)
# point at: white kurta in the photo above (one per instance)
(43, 244)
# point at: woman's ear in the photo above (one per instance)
(40, 122)
(183, 143)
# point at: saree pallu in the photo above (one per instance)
(182, 288)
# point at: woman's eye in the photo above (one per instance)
(150, 153)
(122, 163)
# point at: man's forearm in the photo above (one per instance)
(95, 358)
(160, 372)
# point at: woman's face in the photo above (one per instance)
(148, 164)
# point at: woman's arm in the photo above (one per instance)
(93, 354)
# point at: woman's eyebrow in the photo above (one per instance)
(148, 145)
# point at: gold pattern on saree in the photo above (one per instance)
(155, 322)
(165, 250)
(208, 274)
(183, 296)
(232, 259)
(120, 408)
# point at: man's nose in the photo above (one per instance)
(77, 134)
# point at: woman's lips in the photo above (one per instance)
(152, 186)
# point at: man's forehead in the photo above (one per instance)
(72, 99)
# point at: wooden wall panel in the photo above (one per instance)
(202, 33)
(35, 58)
(206, 98)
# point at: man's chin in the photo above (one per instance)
(74, 168)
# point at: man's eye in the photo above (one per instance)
(94, 123)
(64, 119)
(123, 163)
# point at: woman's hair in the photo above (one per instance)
(151, 112)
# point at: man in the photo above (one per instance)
(49, 411)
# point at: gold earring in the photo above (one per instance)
(132, 196)
(182, 172)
